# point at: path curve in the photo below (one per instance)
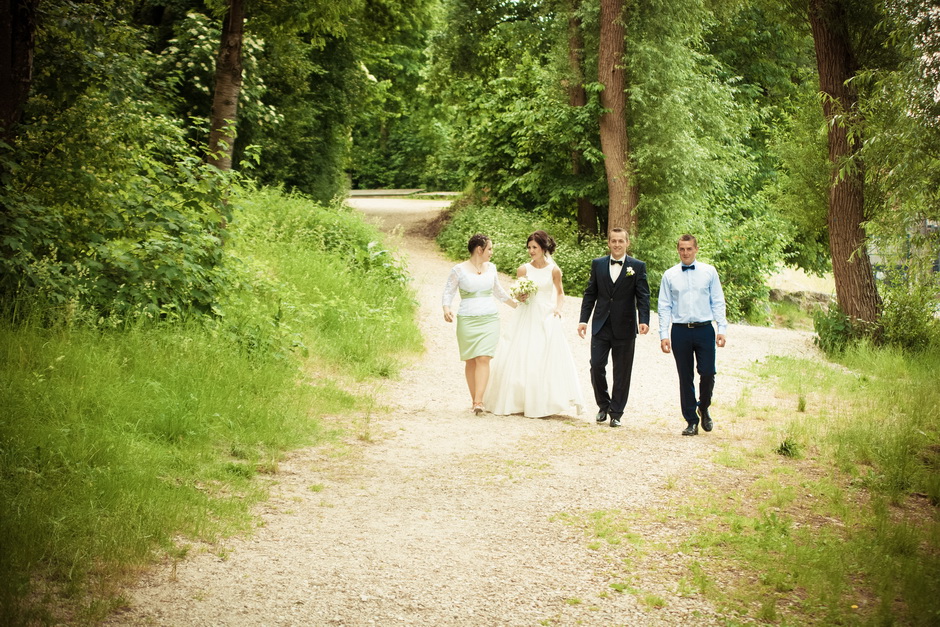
(437, 517)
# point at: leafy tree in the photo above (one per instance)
(108, 210)
(855, 283)
(622, 187)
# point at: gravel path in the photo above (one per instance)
(436, 517)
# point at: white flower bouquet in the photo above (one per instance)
(523, 286)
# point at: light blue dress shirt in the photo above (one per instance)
(693, 295)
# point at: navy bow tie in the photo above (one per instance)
(692, 267)
(618, 262)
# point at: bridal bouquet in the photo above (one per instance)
(523, 286)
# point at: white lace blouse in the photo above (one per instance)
(476, 290)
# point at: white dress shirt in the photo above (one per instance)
(692, 295)
(616, 268)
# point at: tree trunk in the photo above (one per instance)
(615, 144)
(228, 85)
(856, 291)
(17, 40)
(577, 97)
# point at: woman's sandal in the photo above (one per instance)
(478, 408)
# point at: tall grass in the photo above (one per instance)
(878, 418)
(116, 444)
(874, 421)
(336, 287)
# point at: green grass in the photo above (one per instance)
(839, 527)
(123, 444)
(843, 527)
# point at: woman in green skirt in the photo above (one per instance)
(477, 317)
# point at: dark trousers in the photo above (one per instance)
(603, 346)
(691, 347)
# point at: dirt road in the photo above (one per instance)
(436, 517)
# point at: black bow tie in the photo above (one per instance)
(618, 262)
(692, 267)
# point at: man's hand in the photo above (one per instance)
(644, 329)
(666, 345)
(720, 340)
(582, 329)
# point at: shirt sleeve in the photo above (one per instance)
(665, 307)
(718, 303)
(450, 288)
(498, 290)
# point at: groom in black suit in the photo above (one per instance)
(617, 293)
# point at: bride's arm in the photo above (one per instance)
(559, 291)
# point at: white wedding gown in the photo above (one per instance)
(533, 372)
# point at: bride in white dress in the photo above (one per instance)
(533, 371)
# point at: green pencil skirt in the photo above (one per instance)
(477, 335)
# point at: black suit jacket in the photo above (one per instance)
(621, 302)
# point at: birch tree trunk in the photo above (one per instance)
(228, 85)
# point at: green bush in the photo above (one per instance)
(318, 275)
(909, 319)
(120, 439)
(116, 223)
(834, 330)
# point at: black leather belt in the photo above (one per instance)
(693, 325)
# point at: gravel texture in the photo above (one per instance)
(434, 516)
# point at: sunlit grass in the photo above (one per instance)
(119, 445)
(831, 520)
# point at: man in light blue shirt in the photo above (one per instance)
(691, 302)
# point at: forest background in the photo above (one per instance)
(171, 172)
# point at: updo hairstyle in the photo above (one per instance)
(544, 240)
(477, 240)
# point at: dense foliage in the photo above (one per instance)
(143, 291)
(115, 443)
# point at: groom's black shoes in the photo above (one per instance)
(601, 415)
(692, 429)
(706, 419)
(614, 422)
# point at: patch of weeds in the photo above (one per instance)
(731, 459)
(317, 487)
(619, 587)
(768, 610)
(573, 601)
(801, 404)
(700, 579)
(238, 469)
(685, 587)
(602, 526)
(789, 448)
(654, 601)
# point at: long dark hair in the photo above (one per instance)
(544, 240)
